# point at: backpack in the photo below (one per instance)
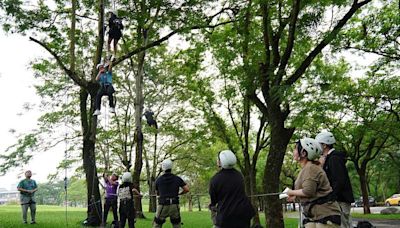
(118, 23)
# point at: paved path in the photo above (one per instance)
(380, 223)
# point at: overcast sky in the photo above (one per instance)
(16, 80)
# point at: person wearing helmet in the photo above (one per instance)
(334, 164)
(104, 77)
(230, 207)
(167, 187)
(126, 192)
(111, 187)
(312, 188)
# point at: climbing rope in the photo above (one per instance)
(66, 162)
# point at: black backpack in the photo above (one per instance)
(118, 23)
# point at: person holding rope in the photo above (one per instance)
(27, 188)
(334, 164)
(312, 188)
(111, 186)
(230, 207)
(104, 77)
(167, 187)
(126, 204)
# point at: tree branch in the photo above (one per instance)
(328, 38)
(164, 38)
(71, 74)
(290, 41)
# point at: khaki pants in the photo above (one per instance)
(345, 215)
(25, 207)
(165, 211)
(320, 225)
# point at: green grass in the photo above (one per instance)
(375, 216)
(54, 217)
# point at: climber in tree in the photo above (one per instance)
(150, 119)
(115, 31)
(104, 77)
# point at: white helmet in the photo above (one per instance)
(127, 177)
(99, 65)
(312, 147)
(325, 137)
(166, 164)
(227, 159)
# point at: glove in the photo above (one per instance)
(284, 194)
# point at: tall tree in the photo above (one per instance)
(49, 22)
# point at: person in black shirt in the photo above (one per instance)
(115, 31)
(150, 118)
(334, 164)
(126, 205)
(167, 187)
(229, 204)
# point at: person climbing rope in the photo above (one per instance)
(126, 203)
(104, 77)
(115, 31)
(230, 207)
(150, 118)
(312, 188)
(167, 187)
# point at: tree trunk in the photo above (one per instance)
(198, 203)
(253, 191)
(280, 137)
(190, 203)
(89, 124)
(364, 191)
(153, 197)
(138, 122)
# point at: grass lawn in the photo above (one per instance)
(376, 216)
(54, 217)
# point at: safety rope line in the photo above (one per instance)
(65, 160)
(203, 194)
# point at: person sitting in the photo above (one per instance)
(104, 77)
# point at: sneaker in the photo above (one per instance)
(33, 222)
(97, 112)
(25, 222)
(112, 110)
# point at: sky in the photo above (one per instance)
(17, 89)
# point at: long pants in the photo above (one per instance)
(105, 90)
(239, 224)
(320, 225)
(111, 202)
(345, 215)
(25, 207)
(165, 211)
(126, 212)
